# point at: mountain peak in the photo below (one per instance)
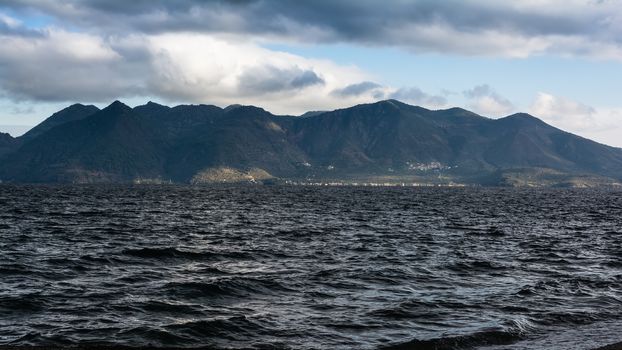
(378, 105)
(152, 109)
(522, 115)
(457, 110)
(523, 119)
(76, 106)
(74, 112)
(232, 107)
(152, 104)
(385, 138)
(245, 109)
(311, 114)
(117, 106)
(117, 103)
(390, 102)
(457, 113)
(393, 103)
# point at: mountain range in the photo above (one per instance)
(383, 142)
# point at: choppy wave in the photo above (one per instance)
(309, 268)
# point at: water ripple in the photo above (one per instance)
(308, 268)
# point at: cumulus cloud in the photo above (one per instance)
(205, 68)
(59, 65)
(199, 66)
(603, 125)
(471, 27)
(486, 101)
(564, 112)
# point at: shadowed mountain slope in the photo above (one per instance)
(111, 145)
(522, 140)
(7, 143)
(387, 139)
(69, 114)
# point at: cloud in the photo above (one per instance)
(486, 101)
(270, 79)
(469, 27)
(376, 91)
(211, 51)
(603, 124)
(564, 112)
(59, 65)
(417, 96)
(361, 88)
(12, 26)
(205, 68)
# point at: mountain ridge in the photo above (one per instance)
(386, 140)
(74, 112)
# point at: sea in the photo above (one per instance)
(308, 267)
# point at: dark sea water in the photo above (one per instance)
(310, 267)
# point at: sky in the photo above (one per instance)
(560, 60)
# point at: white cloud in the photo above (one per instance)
(603, 125)
(9, 21)
(609, 127)
(203, 68)
(486, 101)
(490, 107)
(564, 112)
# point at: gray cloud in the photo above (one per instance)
(477, 91)
(304, 79)
(360, 89)
(354, 19)
(8, 28)
(116, 34)
(270, 79)
(493, 28)
(58, 65)
(485, 91)
(417, 96)
(82, 83)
